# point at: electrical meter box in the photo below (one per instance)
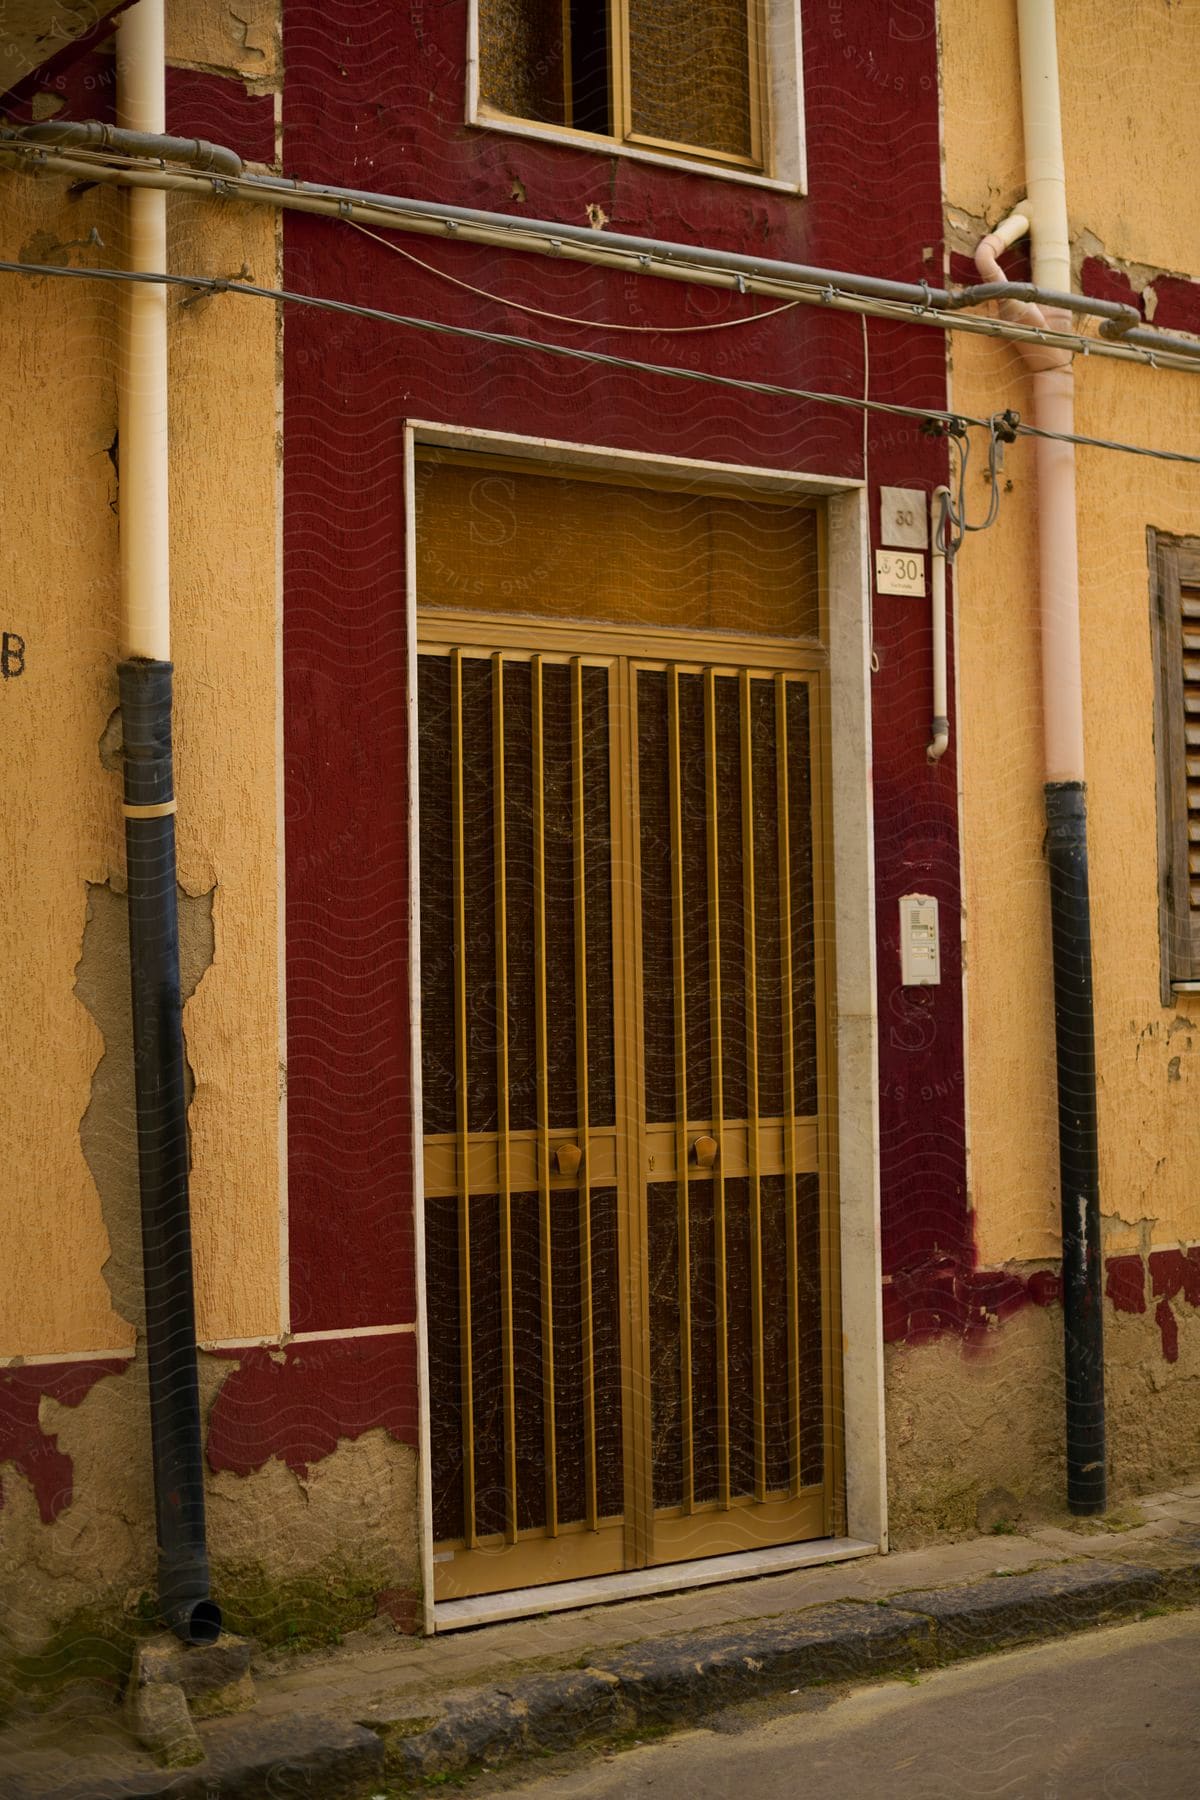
(920, 941)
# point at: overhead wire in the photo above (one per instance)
(541, 312)
(215, 284)
(209, 284)
(866, 420)
(1099, 443)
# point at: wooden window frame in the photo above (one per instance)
(1174, 567)
(776, 104)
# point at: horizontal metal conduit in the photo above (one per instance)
(1123, 334)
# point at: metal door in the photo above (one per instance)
(628, 1159)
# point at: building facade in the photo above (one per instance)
(584, 1177)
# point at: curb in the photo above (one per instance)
(245, 1759)
(675, 1680)
(659, 1683)
(652, 1684)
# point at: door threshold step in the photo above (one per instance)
(636, 1584)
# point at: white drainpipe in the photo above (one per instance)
(1054, 397)
(142, 402)
(939, 740)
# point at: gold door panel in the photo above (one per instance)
(729, 982)
(627, 1152)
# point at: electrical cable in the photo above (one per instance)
(1098, 443)
(873, 654)
(956, 507)
(215, 284)
(540, 312)
(208, 284)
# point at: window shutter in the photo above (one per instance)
(1190, 645)
(1175, 619)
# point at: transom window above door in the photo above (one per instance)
(709, 80)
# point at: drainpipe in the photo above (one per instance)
(1045, 215)
(144, 675)
(939, 741)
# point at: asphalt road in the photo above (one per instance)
(1109, 1715)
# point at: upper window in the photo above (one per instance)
(714, 80)
(1175, 568)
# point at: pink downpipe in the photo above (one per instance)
(1058, 557)
(1058, 549)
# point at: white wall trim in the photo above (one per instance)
(849, 585)
(857, 1025)
(646, 464)
(788, 160)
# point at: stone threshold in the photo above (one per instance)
(638, 1584)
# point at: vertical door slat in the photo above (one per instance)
(503, 1162)
(720, 1270)
(789, 1076)
(542, 1059)
(587, 1327)
(750, 963)
(679, 988)
(462, 1111)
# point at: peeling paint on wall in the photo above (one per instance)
(108, 1129)
(1169, 1328)
(24, 1442)
(1174, 1275)
(943, 1298)
(78, 1528)
(1125, 1283)
(300, 1402)
(1176, 1272)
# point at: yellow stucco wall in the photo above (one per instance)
(243, 38)
(60, 826)
(1128, 86)
(1128, 76)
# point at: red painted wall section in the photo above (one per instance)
(32, 1451)
(1125, 1283)
(299, 1402)
(1174, 1276)
(199, 104)
(944, 1299)
(935, 1301)
(1176, 303)
(374, 99)
(1099, 279)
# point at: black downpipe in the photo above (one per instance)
(1078, 1144)
(185, 1603)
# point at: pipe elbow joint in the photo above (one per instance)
(940, 741)
(1130, 318)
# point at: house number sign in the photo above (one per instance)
(899, 572)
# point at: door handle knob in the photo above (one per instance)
(568, 1158)
(704, 1149)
